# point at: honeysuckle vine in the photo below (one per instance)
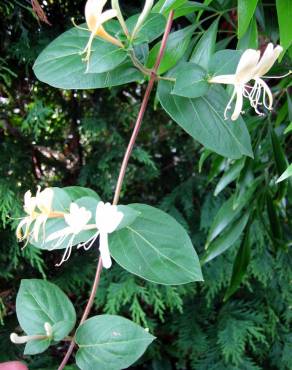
(187, 89)
(104, 250)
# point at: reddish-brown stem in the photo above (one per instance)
(85, 313)
(142, 110)
(123, 171)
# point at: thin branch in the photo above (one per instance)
(85, 313)
(142, 110)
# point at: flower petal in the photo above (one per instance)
(104, 250)
(246, 67)
(93, 10)
(238, 104)
(268, 59)
(223, 79)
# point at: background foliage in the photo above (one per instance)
(58, 138)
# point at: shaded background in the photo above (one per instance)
(52, 137)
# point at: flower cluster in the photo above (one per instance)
(39, 209)
(251, 67)
(96, 17)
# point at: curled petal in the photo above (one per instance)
(238, 104)
(268, 59)
(223, 79)
(93, 10)
(104, 250)
(267, 91)
(246, 66)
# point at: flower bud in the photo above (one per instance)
(147, 8)
(116, 7)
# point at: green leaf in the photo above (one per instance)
(288, 128)
(230, 175)
(105, 56)
(224, 62)
(35, 347)
(152, 28)
(203, 119)
(109, 342)
(165, 6)
(250, 38)
(281, 163)
(176, 46)
(189, 7)
(273, 216)
(130, 216)
(61, 65)
(228, 213)
(286, 174)
(240, 265)
(191, 81)
(157, 248)
(76, 192)
(284, 11)
(39, 302)
(206, 46)
(246, 9)
(225, 241)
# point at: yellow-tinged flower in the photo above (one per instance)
(38, 210)
(250, 67)
(95, 18)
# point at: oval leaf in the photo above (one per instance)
(191, 81)
(39, 302)
(176, 46)
(203, 119)
(109, 342)
(157, 248)
(60, 64)
(225, 241)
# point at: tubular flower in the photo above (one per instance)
(95, 18)
(38, 209)
(107, 219)
(145, 12)
(250, 67)
(77, 221)
(16, 339)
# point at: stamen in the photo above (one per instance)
(285, 75)
(228, 106)
(67, 252)
(76, 25)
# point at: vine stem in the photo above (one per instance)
(153, 77)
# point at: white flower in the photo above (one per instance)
(107, 219)
(77, 221)
(95, 18)
(146, 10)
(38, 209)
(17, 339)
(250, 67)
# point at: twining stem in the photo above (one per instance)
(153, 77)
(85, 313)
(145, 101)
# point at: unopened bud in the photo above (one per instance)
(116, 7)
(147, 8)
